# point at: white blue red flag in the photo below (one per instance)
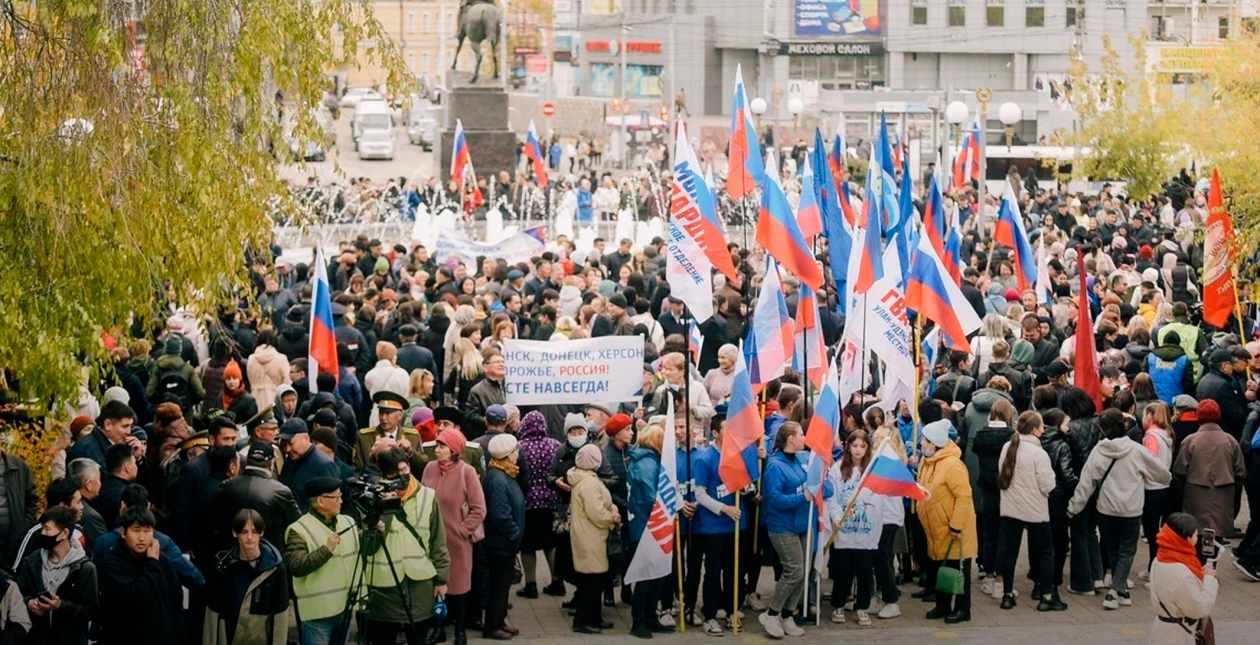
(1045, 294)
(809, 355)
(967, 163)
(779, 234)
(835, 228)
(745, 170)
(533, 150)
(694, 341)
(461, 163)
(741, 432)
(1009, 232)
(322, 351)
(770, 330)
(688, 269)
(808, 212)
(869, 267)
(654, 558)
(932, 294)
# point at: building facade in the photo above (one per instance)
(424, 32)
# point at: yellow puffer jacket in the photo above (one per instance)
(950, 504)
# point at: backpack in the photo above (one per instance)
(175, 384)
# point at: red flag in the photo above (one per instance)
(1086, 365)
(1218, 271)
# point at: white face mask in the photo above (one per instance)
(928, 452)
(578, 441)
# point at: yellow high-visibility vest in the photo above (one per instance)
(324, 592)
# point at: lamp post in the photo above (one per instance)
(1010, 114)
(983, 96)
(795, 107)
(955, 113)
(758, 107)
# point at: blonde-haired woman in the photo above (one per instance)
(466, 371)
(642, 475)
(419, 389)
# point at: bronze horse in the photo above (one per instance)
(479, 21)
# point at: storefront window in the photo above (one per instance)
(645, 81)
(603, 79)
(847, 72)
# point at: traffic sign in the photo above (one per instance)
(549, 109)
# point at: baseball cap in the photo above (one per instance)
(261, 451)
(496, 414)
(293, 427)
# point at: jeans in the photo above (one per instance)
(944, 601)
(1121, 534)
(990, 526)
(1086, 554)
(719, 573)
(791, 585)
(1152, 518)
(587, 610)
(320, 632)
(499, 569)
(1040, 551)
(884, 576)
(851, 563)
(691, 556)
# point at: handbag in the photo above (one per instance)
(949, 579)
(616, 547)
(518, 570)
(560, 521)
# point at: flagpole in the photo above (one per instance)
(686, 487)
(809, 556)
(678, 563)
(918, 362)
(736, 603)
(848, 508)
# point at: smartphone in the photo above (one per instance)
(44, 595)
(1207, 544)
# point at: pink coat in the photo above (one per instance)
(463, 509)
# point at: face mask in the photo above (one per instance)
(578, 441)
(928, 452)
(42, 541)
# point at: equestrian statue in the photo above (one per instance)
(478, 21)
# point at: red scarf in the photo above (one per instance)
(1174, 549)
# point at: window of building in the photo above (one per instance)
(918, 12)
(1074, 14)
(995, 13)
(424, 63)
(1222, 28)
(1035, 13)
(424, 23)
(411, 22)
(956, 13)
(411, 61)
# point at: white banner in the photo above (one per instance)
(608, 369)
(515, 248)
(687, 269)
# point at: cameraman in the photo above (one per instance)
(405, 576)
(321, 551)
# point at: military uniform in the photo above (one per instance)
(367, 437)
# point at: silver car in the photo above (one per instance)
(376, 144)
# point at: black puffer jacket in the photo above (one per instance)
(1083, 435)
(1057, 446)
(987, 444)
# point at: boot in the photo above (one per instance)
(1051, 601)
(437, 635)
(461, 636)
(530, 590)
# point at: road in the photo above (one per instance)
(343, 162)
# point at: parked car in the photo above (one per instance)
(370, 115)
(422, 127)
(355, 95)
(376, 144)
(313, 151)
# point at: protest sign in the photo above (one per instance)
(519, 247)
(608, 369)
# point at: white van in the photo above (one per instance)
(370, 115)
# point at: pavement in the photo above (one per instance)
(343, 162)
(1236, 616)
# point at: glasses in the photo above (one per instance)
(331, 496)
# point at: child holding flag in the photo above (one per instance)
(857, 516)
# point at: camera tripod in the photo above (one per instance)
(359, 593)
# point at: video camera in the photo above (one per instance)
(375, 497)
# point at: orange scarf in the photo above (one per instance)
(1174, 549)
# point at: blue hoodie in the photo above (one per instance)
(785, 506)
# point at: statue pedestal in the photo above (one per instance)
(483, 110)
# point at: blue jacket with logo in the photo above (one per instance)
(785, 504)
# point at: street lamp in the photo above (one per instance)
(956, 112)
(758, 107)
(1010, 114)
(795, 107)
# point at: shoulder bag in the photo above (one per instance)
(949, 579)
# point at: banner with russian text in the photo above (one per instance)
(519, 247)
(608, 369)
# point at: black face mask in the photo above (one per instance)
(41, 541)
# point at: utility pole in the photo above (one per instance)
(625, 144)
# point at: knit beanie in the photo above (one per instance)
(589, 457)
(1209, 411)
(174, 345)
(453, 439)
(233, 370)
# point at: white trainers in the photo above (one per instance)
(696, 619)
(987, 587)
(1110, 602)
(721, 613)
(774, 628)
(864, 618)
(1106, 581)
(667, 620)
(1125, 600)
(753, 602)
(837, 615)
(996, 591)
(713, 628)
(1102, 584)
(1143, 575)
(790, 627)
(891, 610)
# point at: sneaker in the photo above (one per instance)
(667, 620)
(721, 614)
(837, 615)
(1143, 575)
(864, 619)
(774, 628)
(1110, 602)
(1091, 592)
(791, 628)
(713, 628)
(1105, 582)
(1252, 574)
(753, 602)
(696, 619)
(891, 610)
(995, 592)
(987, 588)
(1124, 599)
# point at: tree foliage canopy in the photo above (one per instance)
(123, 172)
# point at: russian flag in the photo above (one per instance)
(1009, 231)
(836, 159)
(870, 268)
(770, 332)
(934, 217)
(953, 249)
(322, 351)
(890, 210)
(533, 150)
(839, 234)
(778, 233)
(742, 431)
(694, 340)
(808, 214)
(1045, 294)
(888, 476)
(901, 232)
(932, 295)
(654, 557)
(820, 435)
(461, 163)
(745, 170)
(967, 163)
(809, 356)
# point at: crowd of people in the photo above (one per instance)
(405, 494)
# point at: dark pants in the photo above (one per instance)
(1040, 551)
(476, 598)
(945, 602)
(885, 579)
(1153, 515)
(383, 633)
(850, 564)
(1059, 536)
(719, 573)
(1253, 505)
(756, 558)
(499, 569)
(1121, 537)
(456, 609)
(918, 546)
(645, 597)
(989, 527)
(1086, 553)
(587, 610)
(691, 557)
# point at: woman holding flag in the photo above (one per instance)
(786, 515)
(857, 517)
(949, 518)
